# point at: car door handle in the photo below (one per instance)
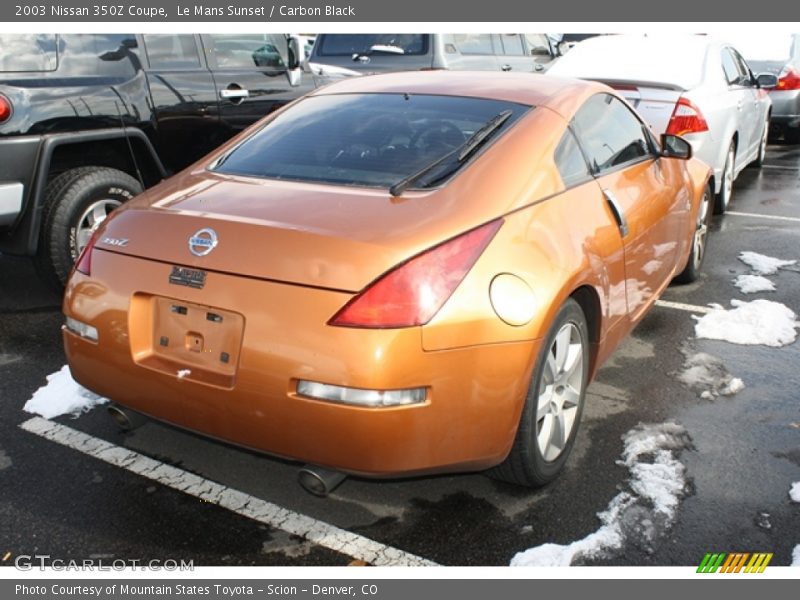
(739, 105)
(619, 215)
(506, 68)
(235, 93)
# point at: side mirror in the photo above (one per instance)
(766, 81)
(294, 72)
(673, 146)
(295, 52)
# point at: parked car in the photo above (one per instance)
(688, 85)
(345, 55)
(398, 274)
(88, 121)
(780, 55)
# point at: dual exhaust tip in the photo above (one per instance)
(318, 481)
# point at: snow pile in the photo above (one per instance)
(707, 375)
(640, 514)
(62, 396)
(757, 322)
(796, 556)
(751, 284)
(763, 265)
(794, 492)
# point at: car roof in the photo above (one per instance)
(674, 59)
(530, 89)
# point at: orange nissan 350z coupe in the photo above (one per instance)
(394, 275)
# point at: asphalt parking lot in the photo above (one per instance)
(734, 458)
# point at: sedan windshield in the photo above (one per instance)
(373, 140)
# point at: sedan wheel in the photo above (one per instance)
(762, 147)
(726, 191)
(554, 403)
(559, 392)
(699, 240)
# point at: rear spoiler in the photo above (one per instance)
(637, 83)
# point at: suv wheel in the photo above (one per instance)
(76, 203)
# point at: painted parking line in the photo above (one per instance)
(758, 216)
(692, 308)
(782, 167)
(313, 530)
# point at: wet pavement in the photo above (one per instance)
(743, 456)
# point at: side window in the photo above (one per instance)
(730, 67)
(249, 51)
(538, 45)
(744, 70)
(172, 51)
(610, 133)
(512, 44)
(473, 43)
(570, 161)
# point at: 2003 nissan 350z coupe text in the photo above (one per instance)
(394, 275)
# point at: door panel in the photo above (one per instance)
(644, 194)
(652, 211)
(250, 73)
(184, 99)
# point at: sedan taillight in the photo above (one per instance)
(5, 109)
(789, 80)
(412, 293)
(686, 118)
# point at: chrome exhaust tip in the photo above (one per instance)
(126, 420)
(319, 480)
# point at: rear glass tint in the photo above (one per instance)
(373, 43)
(28, 52)
(372, 140)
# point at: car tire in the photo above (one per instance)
(699, 240)
(726, 189)
(792, 135)
(75, 204)
(554, 403)
(762, 147)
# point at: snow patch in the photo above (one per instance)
(62, 395)
(794, 492)
(750, 323)
(762, 264)
(796, 556)
(642, 513)
(707, 375)
(751, 284)
(184, 373)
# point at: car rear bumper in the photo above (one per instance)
(785, 108)
(468, 421)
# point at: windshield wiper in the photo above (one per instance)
(474, 142)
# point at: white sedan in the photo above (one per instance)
(687, 85)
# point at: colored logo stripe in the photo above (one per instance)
(734, 562)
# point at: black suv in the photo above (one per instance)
(88, 121)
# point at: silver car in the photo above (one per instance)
(337, 55)
(687, 85)
(780, 55)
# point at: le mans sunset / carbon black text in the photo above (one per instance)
(195, 10)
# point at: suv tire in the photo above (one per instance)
(76, 202)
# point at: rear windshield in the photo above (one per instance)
(372, 43)
(28, 52)
(372, 140)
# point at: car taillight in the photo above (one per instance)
(686, 118)
(789, 80)
(5, 108)
(413, 292)
(84, 262)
